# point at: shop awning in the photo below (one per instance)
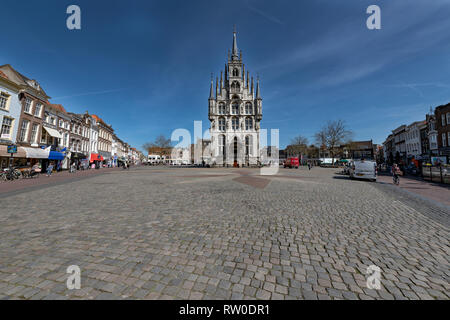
(37, 153)
(20, 152)
(54, 155)
(53, 132)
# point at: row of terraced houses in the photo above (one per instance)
(425, 141)
(45, 132)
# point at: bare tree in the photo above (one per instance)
(332, 135)
(298, 146)
(299, 140)
(161, 146)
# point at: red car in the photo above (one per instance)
(292, 163)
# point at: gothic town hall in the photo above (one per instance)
(235, 113)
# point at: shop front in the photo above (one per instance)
(77, 159)
(18, 159)
(445, 153)
(57, 158)
(37, 155)
(106, 158)
(95, 160)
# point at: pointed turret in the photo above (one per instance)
(211, 92)
(248, 77)
(217, 87)
(226, 74)
(258, 93)
(234, 51)
(252, 86)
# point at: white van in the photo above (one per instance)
(364, 169)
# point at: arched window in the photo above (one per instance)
(221, 124)
(221, 108)
(248, 108)
(235, 123)
(235, 108)
(248, 124)
(248, 145)
(235, 72)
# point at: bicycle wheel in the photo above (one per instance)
(17, 176)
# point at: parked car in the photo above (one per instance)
(364, 169)
(292, 163)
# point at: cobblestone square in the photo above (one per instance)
(190, 233)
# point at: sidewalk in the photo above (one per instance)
(433, 191)
(55, 178)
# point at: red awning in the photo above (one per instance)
(96, 157)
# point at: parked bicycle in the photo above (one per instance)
(10, 174)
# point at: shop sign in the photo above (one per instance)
(12, 149)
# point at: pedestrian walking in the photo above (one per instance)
(49, 169)
(396, 174)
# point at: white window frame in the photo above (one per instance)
(28, 103)
(7, 136)
(43, 136)
(35, 138)
(36, 105)
(4, 96)
(25, 136)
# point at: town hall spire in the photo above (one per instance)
(234, 51)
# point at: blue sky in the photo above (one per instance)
(144, 66)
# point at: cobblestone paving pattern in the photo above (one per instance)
(171, 233)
